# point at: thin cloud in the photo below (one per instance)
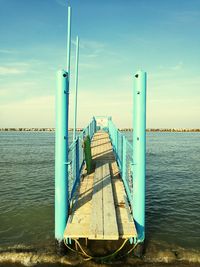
(167, 70)
(91, 48)
(63, 3)
(187, 16)
(21, 67)
(177, 66)
(92, 44)
(89, 65)
(6, 51)
(6, 70)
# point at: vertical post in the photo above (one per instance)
(76, 87)
(113, 135)
(77, 159)
(92, 128)
(116, 141)
(124, 158)
(93, 122)
(139, 152)
(68, 41)
(121, 147)
(61, 155)
(95, 125)
(89, 130)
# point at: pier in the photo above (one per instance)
(100, 209)
(100, 176)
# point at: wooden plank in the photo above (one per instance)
(124, 218)
(96, 221)
(126, 230)
(77, 230)
(109, 214)
(78, 221)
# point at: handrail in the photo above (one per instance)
(123, 150)
(76, 157)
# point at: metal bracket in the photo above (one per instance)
(68, 162)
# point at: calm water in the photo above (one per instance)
(27, 189)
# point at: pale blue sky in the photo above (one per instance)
(117, 38)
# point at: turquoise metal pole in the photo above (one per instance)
(68, 41)
(76, 87)
(139, 152)
(61, 155)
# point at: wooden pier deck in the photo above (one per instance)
(99, 209)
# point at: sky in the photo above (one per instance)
(117, 38)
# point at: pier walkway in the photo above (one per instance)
(99, 207)
(106, 202)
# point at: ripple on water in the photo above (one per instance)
(172, 190)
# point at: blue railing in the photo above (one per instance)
(123, 150)
(76, 157)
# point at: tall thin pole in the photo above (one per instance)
(61, 155)
(61, 145)
(76, 87)
(68, 41)
(139, 152)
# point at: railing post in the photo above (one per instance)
(115, 138)
(89, 130)
(77, 159)
(116, 134)
(124, 158)
(95, 125)
(91, 125)
(61, 155)
(121, 146)
(139, 152)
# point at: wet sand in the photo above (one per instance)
(154, 256)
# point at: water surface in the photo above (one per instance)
(27, 189)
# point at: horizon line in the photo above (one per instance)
(52, 129)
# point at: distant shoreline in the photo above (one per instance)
(81, 129)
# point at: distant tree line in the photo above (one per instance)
(122, 129)
(164, 130)
(34, 129)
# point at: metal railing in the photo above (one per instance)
(123, 150)
(76, 157)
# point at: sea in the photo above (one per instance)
(27, 197)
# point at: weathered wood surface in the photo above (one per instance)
(96, 230)
(103, 224)
(92, 213)
(109, 215)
